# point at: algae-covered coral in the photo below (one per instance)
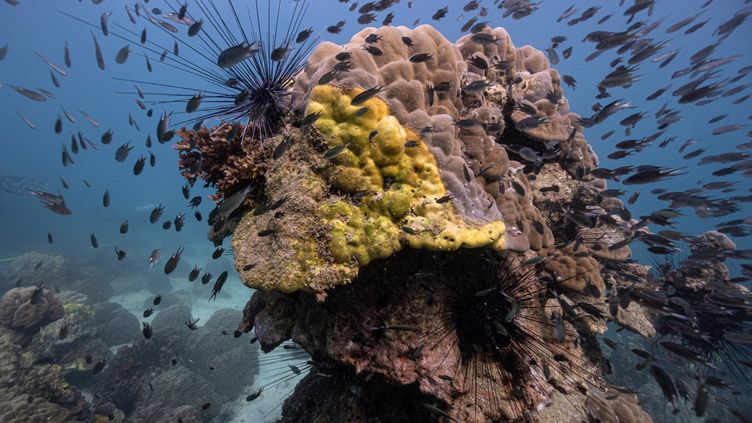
(410, 194)
(384, 191)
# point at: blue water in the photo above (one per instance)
(38, 27)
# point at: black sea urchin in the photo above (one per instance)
(249, 62)
(255, 64)
(507, 339)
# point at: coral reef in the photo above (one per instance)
(31, 391)
(428, 222)
(23, 311)
(177, 366)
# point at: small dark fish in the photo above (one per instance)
(163, 127)
(569, 80)
(66, 56)
(173, 261)
(558, 325)
(255, 394)
(122, 55)
(218, 285)
(138, 166)
(152, 159)
(193, 103)
(366, 95)
(124, 227)
(518, 188)
(664, 382)
(36, 296)
(122, 152)
(477, 85)
(157, 300)
(231, 203)
(633, 198)
(106, 198)
(657, 93)
(179, 221)
(334, 151)
(440, 13)
(309, 119)
(120, 254)
(54, 79)
(166, 225)
(147, 330)
(727, 128)
(195, 28)
(236, 54)
(106, 137)
(94, 242)
(194, 273)
(26, 120)
(192, 323)
(49, 238)
(279, 53)
(407, 41)
(98, 52)
(281, 148)
(206, 278)
(218, 253)
(444, 199)
(420, 57)
(156, 213)
(303, 35)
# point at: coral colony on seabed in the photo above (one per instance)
(427, 233)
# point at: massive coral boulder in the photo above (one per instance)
(23, 311)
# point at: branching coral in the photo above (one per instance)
(220, 158)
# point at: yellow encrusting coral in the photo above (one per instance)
(355, 187)
(390, 169)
